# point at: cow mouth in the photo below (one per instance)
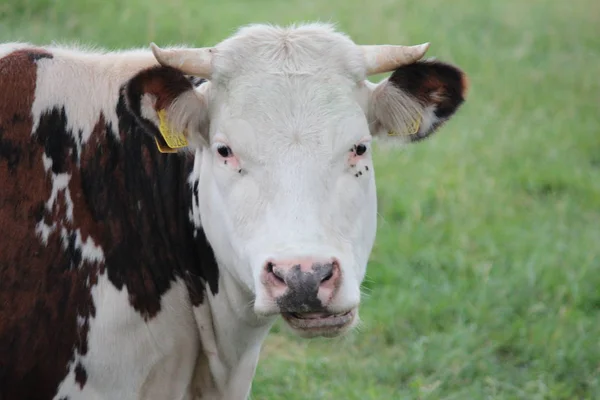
(319, 324)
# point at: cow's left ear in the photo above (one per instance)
(165, 103)
(416, 100)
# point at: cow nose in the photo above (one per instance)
(302, 285)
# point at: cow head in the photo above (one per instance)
(282, 132)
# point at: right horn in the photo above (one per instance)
(386, 58)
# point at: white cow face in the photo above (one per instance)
(283, 130)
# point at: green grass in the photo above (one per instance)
(485, 279)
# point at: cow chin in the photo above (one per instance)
(310, 325)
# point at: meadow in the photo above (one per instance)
(484, 282)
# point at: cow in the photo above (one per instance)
(162, 207)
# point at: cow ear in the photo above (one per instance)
(416, 100)
(165, 103)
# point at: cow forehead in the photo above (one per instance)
(312, 49)
(304, 113)
(288, 98)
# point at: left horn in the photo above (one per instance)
(386, 58)
(197, 62)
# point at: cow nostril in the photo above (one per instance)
(270, 266)
(328, 270)
(328, 275)
(273, 271)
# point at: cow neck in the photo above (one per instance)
(233, 344)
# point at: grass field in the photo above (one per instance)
(485, 279)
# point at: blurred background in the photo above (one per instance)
(485, 278)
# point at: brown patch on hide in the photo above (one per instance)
(40, 299)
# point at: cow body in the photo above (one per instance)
(122, 275)
(94, 248)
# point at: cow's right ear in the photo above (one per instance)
(165, 103)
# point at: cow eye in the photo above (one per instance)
(360, 149)
(224, 151)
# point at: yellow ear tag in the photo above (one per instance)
(413, 128)
(164, 149)
(174, 140)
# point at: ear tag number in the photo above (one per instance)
(172, 140)
(412, 128)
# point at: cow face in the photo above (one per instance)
(283, 134)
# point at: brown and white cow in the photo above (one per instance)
(128, 273)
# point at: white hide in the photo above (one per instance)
(60, 183)
(131, 359)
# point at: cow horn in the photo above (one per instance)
(197, 62)
(386, 58)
